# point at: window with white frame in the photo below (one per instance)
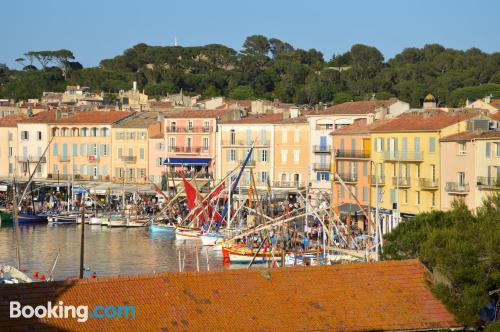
(190, 125)
(24, 135)
(206, 125)
(232, 154)
(205, 144)
(171, 144)
(284, 136)
(296, 156)
(296, 136)
(462, 148)
(263, 155)
(284, 156)
(263, 177)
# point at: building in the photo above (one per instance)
(472, 160)
(381, 296)
(323, 122)
(8, 145)
(157, 151)
(82, 145)
(33, 138)
(130, 150)
(486, 103)
(406, 163)
(133, 99)
(266, 106)
(190, 139)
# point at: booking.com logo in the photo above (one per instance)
(81, 312)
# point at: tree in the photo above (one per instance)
(61, 58)
(256, 45)
(279, 48)
(241, 92)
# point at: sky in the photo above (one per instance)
(99, 29)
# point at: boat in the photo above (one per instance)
(162, 228)
(117, 221)
(137, 223)
(11, 275)
(96, 220)
(5, 218)
(212, 239)
(64, 219)
(187, 233)
(28, 218)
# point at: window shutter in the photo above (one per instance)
(353, 145)
(365, 168)
(382, 145)
(318, 176)
(263, 136)
(228, 151)
(488, 149)
(249, 136)
(328, 176)
(393, 196)
(104, 170)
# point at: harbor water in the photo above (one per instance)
(108, 251)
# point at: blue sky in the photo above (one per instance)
(95, 30)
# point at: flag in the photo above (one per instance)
(191, 193)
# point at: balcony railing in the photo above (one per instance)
(244, 143)
(189, 130)
(322, 148)
(128, 159)
(484, 182)
(250, 163)
(457, 188)
(375, 178)
(64, 158)
(31, 159)
(186, 149)
(324, 127)
(428, 184)
(349, 177)
(402, 155)
(352, 154)
(60, 177)
(321, 167)
(401, 181)
(288, 184)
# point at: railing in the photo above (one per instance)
(250, 163)
(244, 143)
(401, 181)
(31, 159)
(185, 149)
(288, 184)
(488, 182)
(455, 187)
(348, 177)
(128, 159)
(402, 155)
(61, 177)
(352, 154)
(324, 127)
(321, 167)
(189, 130)
(375, 178)
(64, 158)
(322, 148)
(428, 183)
(189, 175)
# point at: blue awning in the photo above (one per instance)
(187, 161)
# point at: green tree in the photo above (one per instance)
(241, 92)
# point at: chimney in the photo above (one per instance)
(134, 86)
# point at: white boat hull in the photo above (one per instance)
(212, 239)
(187, 234)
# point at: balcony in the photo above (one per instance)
(348, 177)
(457, 188)
(402, 156)
(63, 159)
(93, 159)
(488, 183)
(428, 184)
(352, 154)
(190, 174)
(189, 130)
(186, 149)
(288, 184)
(322, 148)
(31, 159)
(401, 181)
(250, 163)
(380, 179)
(128, 159)
(258, 143)
(321, 167)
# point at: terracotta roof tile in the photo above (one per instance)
(257, 119)
(495, 103)
(12, 120)
(390, 295)
(41, 117)
(91, 117)
(496, 116)
(470, 135)
(359, 127)
(138, 120)
(355, 107)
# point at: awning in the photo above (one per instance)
(187, 161)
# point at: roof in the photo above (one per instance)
(495, 116)
(12, 120)
(381, 296)
(495, 103)
(196, 113)
(359, 127)
(298, 119)
(257, 119)
(355, 107)
(139, 120)
(93, 117)
(41, 117)
(472, 135)
(424, 121)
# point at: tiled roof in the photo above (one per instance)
(12, 120)
(470, 135)
(427, 121)
(257, 119)
(495, 103)
(41, 117)
(139, 120)
(355, 107)
(495, 116)
(93, 117)
(196, 113)
(299, 119)
(383, 296)
(359, 127)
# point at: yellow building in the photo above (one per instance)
(81, 147)
(130, 157)
(406, 163)
(291, 153)
(8, 145)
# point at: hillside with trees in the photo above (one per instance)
(267, 68)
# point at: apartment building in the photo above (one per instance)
(130, 155)
(81, 145)
(406, 162)
(157, 151)
(472, 171)
(8, 144)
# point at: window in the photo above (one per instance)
(190, 125)
(142, 135)
(85, 132)
(461, 179)
(417, 196)
(263, 155)
(39, 135)
(418, 171)
(206, 125)
(205, 144)
(488, 149)
(105, 149)
(93, 132)
(24, 135)
(433, 199)
(433, 172)
(189, 143)
(284, 136)
(341, 192)
(75, 150)
(171, 144)
(365, 194)
(296, 136)
(365, 168)
(263, 177)
(379, 144)
(393, 195)
(296, 156)
(141, 153)
(432, 144)
(284, 156)
(232, 137)
(56, 149)
(159, 161)
(11, 151)
(120, 152)
(11, 168)
(11, 136)
(324, 176)
(497, 149)
(130, 152)
(105, 133)
(405, 196)
(232, 154)
(131, 135)
(461, 149)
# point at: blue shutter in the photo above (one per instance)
(416, 147)
(432, 144)
(322, 143)
(65, 150)
(328, 176)
(488, 149)
(393, 196)
(82, 151)
(75, 150)
(56, 149)
(104, 170)
(318, 176)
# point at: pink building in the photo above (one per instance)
(157, 152)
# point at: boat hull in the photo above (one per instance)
(162, 228)
(25, 218)
(187, 234)
(212, 239)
